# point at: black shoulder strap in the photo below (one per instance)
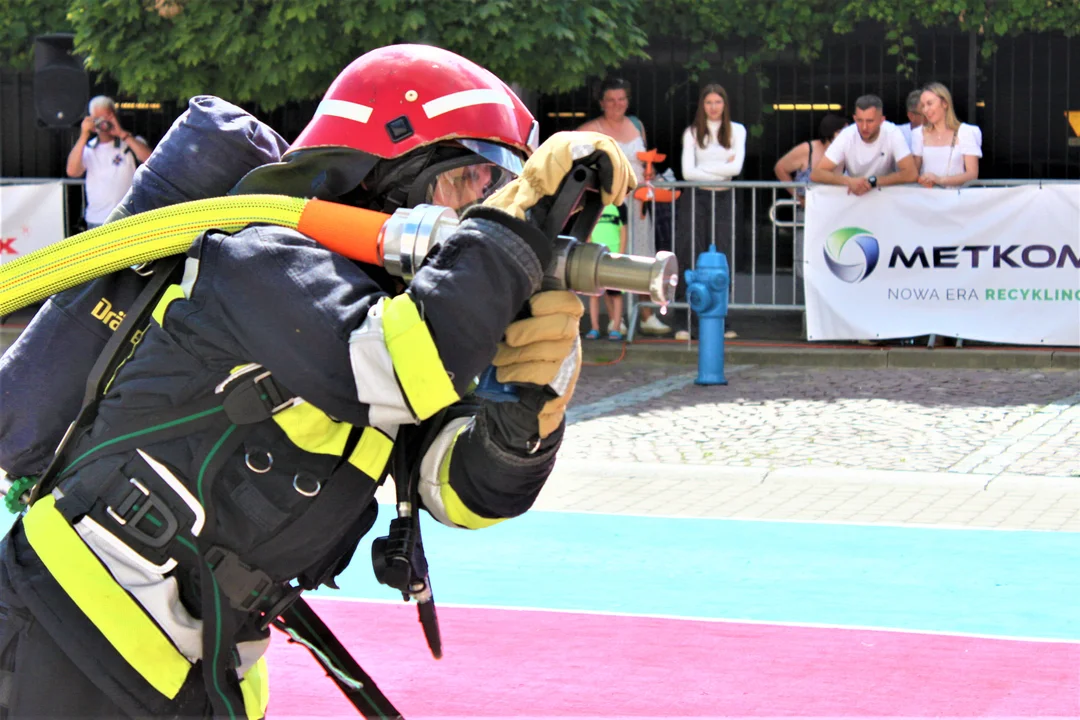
(108, 362)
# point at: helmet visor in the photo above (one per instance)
(502, 156)
(463, 186)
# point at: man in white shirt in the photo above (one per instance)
(915, 118)
(869, 154)
(109, 160)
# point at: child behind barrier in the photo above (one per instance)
(610, 231)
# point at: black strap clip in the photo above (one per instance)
(393, 556)
(245, 588)
(135, 507)
(255, 398)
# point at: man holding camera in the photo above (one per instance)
(108, 160)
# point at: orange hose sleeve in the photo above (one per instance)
(353, 232)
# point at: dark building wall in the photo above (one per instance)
(1019, 97)
(1025, 89)
(29, 149)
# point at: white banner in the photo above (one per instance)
(31, 217)
(1000, 265)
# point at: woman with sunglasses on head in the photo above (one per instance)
(946, 150)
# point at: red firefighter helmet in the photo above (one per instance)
(414, 124)
(395, 99)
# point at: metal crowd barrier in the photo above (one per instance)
(72, 221)
(763, 245)
(760, 244)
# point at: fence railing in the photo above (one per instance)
(757, 224)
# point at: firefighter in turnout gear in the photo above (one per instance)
(233, 458)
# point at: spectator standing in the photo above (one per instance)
(797, 165)
(915, 118)
(108, 160)
(713, 149)
(867, 155)
(946, 150)
(629, 132)
(610, 231)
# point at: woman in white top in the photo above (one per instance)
(946, 151)
(713, 149)
(629, 132)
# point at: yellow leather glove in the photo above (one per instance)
(545, 170)
(545, 350)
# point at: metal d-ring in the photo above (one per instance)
(305, 491)
(259, 470)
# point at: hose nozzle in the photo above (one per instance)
(591, 269)
(411, 233)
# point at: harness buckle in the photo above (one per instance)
(135, 507)
(256, 399)
(274, 393)
(245, 587)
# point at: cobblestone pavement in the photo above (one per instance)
(979, 448)
(963, 447)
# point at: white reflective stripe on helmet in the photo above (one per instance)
(466, 98)
(345, 109)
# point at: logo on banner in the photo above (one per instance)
(851, 254)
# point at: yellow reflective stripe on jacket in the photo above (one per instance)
(456, 512)
(313, 431)
(255, 689)
(416, 360)
(372, 452)
(113, 612)
(172, 292)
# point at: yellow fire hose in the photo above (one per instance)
(171, 230)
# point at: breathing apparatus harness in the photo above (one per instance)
(251, 397)
(246, 398)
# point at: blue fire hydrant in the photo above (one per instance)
(707, 291)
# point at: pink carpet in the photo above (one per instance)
(501, 663)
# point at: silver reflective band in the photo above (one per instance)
(409, 235)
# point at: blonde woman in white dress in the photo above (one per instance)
(946, 150)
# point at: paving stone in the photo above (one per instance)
(905, 445)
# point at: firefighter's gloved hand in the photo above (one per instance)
(544, 351)
(552, 161)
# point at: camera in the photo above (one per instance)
(102, 125)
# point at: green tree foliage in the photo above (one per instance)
(988, 19)
(273, 51)
(772, 26)
(23, 20)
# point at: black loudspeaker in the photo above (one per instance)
(61, 84)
